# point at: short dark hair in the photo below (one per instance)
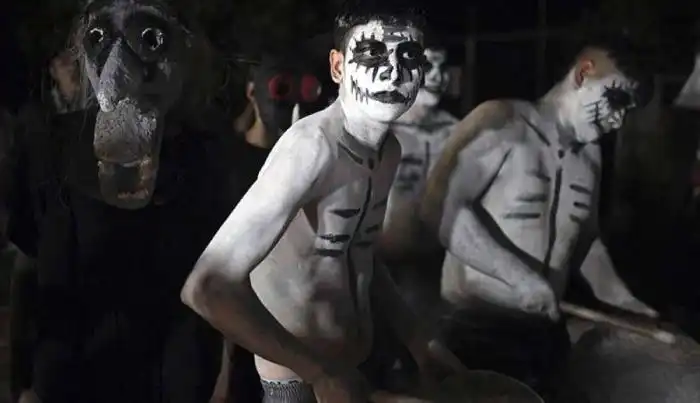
(631, 58)
(358, 12)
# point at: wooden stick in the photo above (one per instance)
(622, 323)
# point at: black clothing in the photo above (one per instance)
(111, 326)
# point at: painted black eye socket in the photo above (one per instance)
(372, 50)
(153, 39)
(411, 55)
(618, 98)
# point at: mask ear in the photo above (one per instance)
(584, 69)
(335, 59)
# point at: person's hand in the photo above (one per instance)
(436, 364)
(536, 296)
(349, 386)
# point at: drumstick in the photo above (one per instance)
(600, 317)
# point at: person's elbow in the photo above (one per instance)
(206, 282)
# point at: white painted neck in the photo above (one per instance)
(562, 105)
(366, 131)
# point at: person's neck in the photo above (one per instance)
(561, 106)
(258, 136)
(366, 131)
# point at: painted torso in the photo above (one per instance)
(421, 145)
(541, 198)
(316, 280)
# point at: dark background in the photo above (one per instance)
(34, 30)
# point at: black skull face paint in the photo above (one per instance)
(383, 69)
(436, 77)
(606, 102)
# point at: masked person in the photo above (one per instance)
(281, 90)
(290, 273)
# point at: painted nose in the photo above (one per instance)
(395, 75)
(120, 76)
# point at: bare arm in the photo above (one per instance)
(451, 204)
(598, 270)
(219, 287)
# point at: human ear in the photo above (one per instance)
(335, 59)
(584, 69)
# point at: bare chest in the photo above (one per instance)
(420, 150)
(352, 209)
(542, 197)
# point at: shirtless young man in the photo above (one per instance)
(422, 132)
(514, 197)
(291, 272)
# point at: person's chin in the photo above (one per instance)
(382, 112)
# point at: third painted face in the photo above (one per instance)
(605, 101)
(436, 78)
(383, 69)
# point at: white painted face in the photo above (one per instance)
(436, 78)
(604, 102)
(689, 97)
(383, 69)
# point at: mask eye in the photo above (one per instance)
(280, 87)
(149, 41)
(95, 38)
(310, 88)
(153, 39)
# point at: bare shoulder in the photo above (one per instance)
(488, 117)
(304, 147)
(487, 123)
(483, 130)
(307, 135)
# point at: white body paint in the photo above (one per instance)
(305, 231)
(689, 97)
(536, 195)
(421, 145)
(422, 132)
(531, 182)
(362, 81)
(308, 279)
